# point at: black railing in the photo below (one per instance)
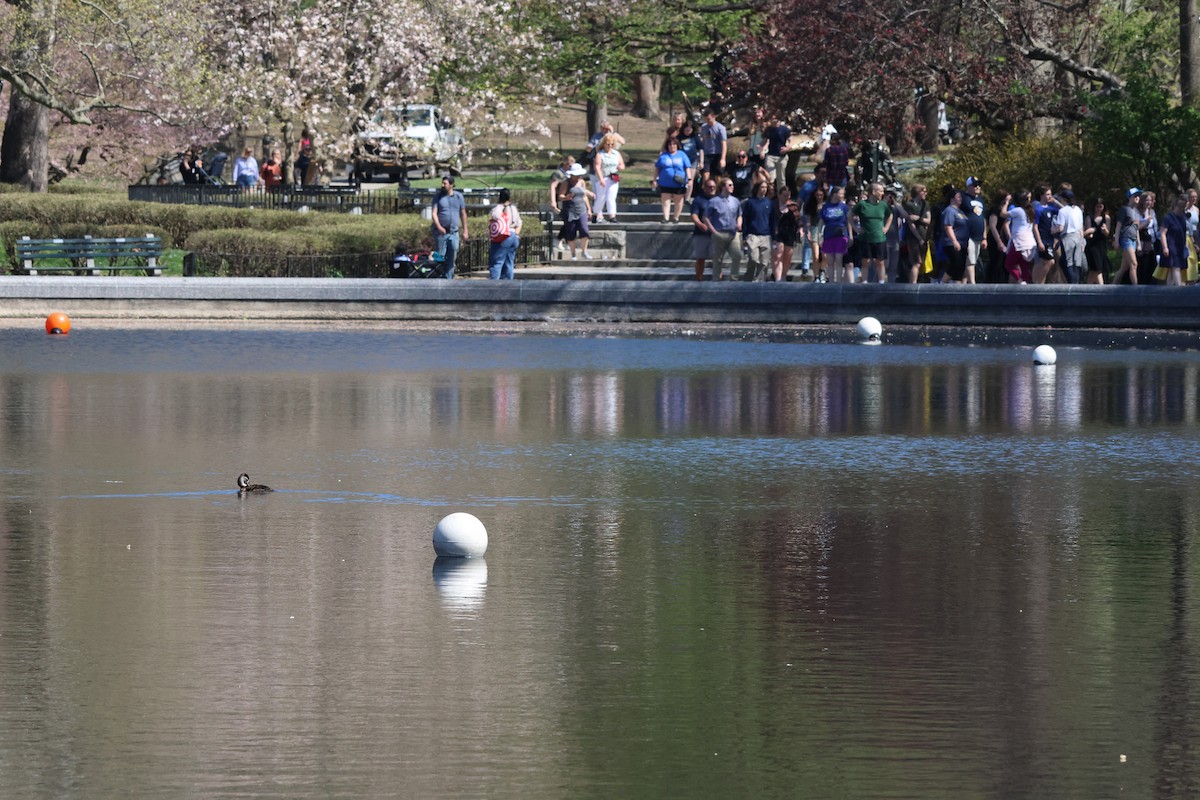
(344, 199)
(262, 265)
(472, 259)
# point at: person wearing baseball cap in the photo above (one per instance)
(1129, 226)
(976, 211)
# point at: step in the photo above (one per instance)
(624, 270)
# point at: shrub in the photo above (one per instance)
(1023, 162)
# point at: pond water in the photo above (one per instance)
(716, 569)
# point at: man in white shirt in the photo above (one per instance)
(1068, 226)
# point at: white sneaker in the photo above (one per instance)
(574, 257)
(587, 256)
(562, 245)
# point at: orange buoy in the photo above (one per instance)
(58, 322)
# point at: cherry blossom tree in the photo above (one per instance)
(326, 65)
(79, 62)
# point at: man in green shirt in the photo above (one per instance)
(875, 217)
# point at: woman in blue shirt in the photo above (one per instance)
(835, 215)
(672, 176)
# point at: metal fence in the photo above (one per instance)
(343, 199)
(472, 259)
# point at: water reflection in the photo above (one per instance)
(868, 572)
(462, 584)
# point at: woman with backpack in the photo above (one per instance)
(504, 225)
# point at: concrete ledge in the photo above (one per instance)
(600, 301)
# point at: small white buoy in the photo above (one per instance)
(869, 330)
(1044, 355)
(460, 535)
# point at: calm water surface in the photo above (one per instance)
(717, 569)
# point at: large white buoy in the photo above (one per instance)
(1044, 355)
(460, 535)
(869, 330)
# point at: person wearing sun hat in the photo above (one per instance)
(1129, 225)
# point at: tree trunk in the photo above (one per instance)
(1189, 58)
(597, 103)
(646, 91)
(25, 149)
(927, 114)
(289, 154)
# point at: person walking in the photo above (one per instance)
(955, 233)
(758, 224)
(1173, 239)
(672, 174)
(701, 230)
(578, 211)
(504, 231)
(714, 141)
(1128, 236)
(1069, 230)
(724, 218)
(788, 230)
(607, 166)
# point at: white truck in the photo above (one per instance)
(400, 138)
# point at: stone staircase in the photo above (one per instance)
(638, 246)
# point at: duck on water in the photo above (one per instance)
(246, 487)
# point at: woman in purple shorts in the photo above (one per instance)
(835, 215)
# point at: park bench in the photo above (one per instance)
(93, 255)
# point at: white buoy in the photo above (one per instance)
(460, 535)
(869, 330)
(1044, 355)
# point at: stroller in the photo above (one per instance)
(422, 264)
(216, 167)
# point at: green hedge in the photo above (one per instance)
(214, 229)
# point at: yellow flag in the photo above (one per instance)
(928, 259)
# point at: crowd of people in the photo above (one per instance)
(743, 209)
